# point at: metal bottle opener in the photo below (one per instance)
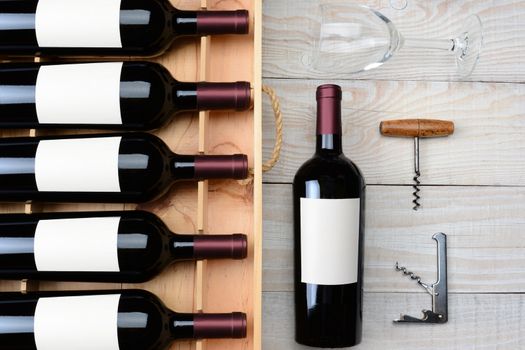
(437, 290)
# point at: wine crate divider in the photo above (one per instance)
(245, 60)
(202, 212)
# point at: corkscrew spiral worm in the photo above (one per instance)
(405, 272)
(416, 191)
(416, 177)
(415, 277)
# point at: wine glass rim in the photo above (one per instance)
(345, 4)
(352, 5)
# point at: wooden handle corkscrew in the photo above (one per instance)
(416, 128)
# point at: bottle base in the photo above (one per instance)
(326, 343)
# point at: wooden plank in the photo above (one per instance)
(484, 227)
(257, 181)
(487, 147)
(202, 192)
(11, 286)
(229, 285)
(487, 321)
(289, 28)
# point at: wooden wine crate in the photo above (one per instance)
(218, 206)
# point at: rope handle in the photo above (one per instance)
(276, 153)
(276, 106)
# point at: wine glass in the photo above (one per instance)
(354, 38)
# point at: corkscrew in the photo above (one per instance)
(413, 276)
(417, 175)
(437, 290)
(416, 128)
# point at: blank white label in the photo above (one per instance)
(79, 323)
(79, 93)
(329, 241)
(82, 244)
(78, 165)
(78, 23)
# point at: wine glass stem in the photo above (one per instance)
(433, 44)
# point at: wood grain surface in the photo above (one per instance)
(289, 28)
(484, 227)
(478, 321)
(487, 147)
(474, 180)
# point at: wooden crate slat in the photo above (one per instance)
(486, 149)
(202, 213)
(257, 189)
(475, 322)
(289, 27)
(484, 227)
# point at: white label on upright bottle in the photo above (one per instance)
(78, 23)
(81, 244)
(86, 93)
(329, 240)
(78, 165)
(77, 322)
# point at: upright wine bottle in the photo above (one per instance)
(108, 95)
(104, 320)
(128, 167)
(329, 199)
(112, 246)
(105, 27)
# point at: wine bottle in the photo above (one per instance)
(104, 320)
(107, 95)
(105, 27)
(329, 204)
(111, 246)
(127, 167)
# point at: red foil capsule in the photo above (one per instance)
(220, 325)
(220, 246)
(223, 22)
(224, 96)
(329, 109)
(215, 167)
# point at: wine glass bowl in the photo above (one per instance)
(353, 38)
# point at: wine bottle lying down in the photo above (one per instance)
(106, 95)
(110, 246)
(105, 27)
(128, 167)
(108, 320)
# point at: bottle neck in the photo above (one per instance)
(183, 167)
(201, 167)
(182, 247)
(329, 130)
(182, 326)
(184, 23)
(184, 96)
(201, 326)
(211, 96)
(329, 144)
(209, 22)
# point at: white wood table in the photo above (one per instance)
(474, 181)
